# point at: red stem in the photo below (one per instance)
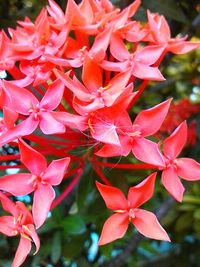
(11, 167)
(101, 175)
(140, 166)
(74, 170)
(9, 157)
(16, 73)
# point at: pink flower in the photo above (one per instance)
(39, 113)
(126, 211)
(93, 95)
(186, 168)
(159, 33)
(8, 120)
(39, 181)
(7, 56)
(20, 223)
(132, 136)
(139, 62)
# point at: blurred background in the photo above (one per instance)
(70, 237)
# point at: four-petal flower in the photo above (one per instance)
(128, 210)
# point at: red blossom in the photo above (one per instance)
(20, 223)
(126, 211)
(186, 168)
(39, 180)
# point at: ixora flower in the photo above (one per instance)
(186, 168)
(40, 113)
(39, 181)
(128, 210)
(20, 223)
(159, 33)
(132, 136)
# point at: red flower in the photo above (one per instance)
(186, 168)
(129, 211)
(39, 113)
(132, 136)
(160, 34)
(39, 181)
(20, 223)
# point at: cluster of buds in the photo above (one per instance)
(72, 85)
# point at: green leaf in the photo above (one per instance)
(73, 246)
(191, 199)
(56, 247)
(106, 250)
(187, 207)
(74, 225)
(184, 222)
(47, 227)
(197, 214)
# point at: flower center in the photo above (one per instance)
(35, 180)
(82, 52)
(131, 214)
(170, 163)
(36, 110)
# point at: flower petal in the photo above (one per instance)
(173, 145)
(150, 120)
(148, 225)
(172, 184)
(114, 228)
(109, 150)
(74, 13)
(147, 151)
(71, 120)
(104, 131)
(8, 205)
(115, 66)
(100, 44)
(49, 125)
(113, 197)
(43, 197)
(141, 193)
(53, 95)
(149, 54)
(91, 75)
(145, 72)
(7, 226)
(9, 116)
(27, 216)
(25, 127)
(22, 99)
(32, 159)
(17, 184)
(118, 49)
(188, 169)
(183, 47)
(31, 231)
(56, 171)
(77, 88)
(23, 250)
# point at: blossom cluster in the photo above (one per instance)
(73, 76)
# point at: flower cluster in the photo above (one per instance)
(72, 85)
